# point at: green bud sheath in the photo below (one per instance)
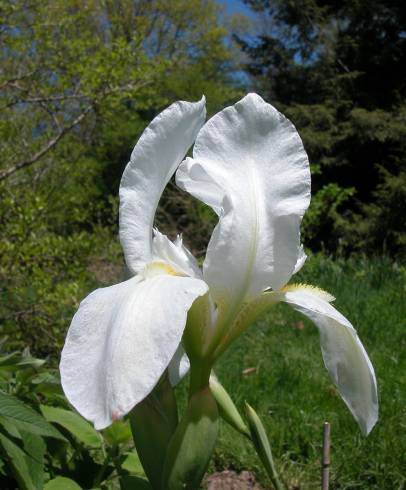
(153, 422)
(227, 409)
(192, 445)
(195, 337)
(262, 445)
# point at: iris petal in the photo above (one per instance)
(343, 353)
(120, 342)
(250, 166)
(159, 151)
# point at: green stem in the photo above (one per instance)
(191, 447)
(199, 377)
(273, 476)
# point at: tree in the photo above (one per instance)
(66, 62)
(78, 83)
(338, 70)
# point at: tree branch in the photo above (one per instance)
(51, 143)
(12, 81)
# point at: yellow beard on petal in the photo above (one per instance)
(159, 268)
(312, 289)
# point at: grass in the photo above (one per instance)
(291, 390)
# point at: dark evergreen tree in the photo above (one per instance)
(338, 70)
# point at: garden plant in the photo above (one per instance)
(129, 344)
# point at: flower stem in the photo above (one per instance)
(199, 377)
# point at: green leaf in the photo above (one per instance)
(45, 377)
(117, 433)
(227, 409)
(75, 424)
(262, 446)
(130, 482)
(25, 418)
(9, 360)
(62, 483)
(8, 425)
(46, 383)
(34, 447)
(132, 464)
(29, 361)
(192, 445)
(18, 462)
(16, 360)
(153, 422)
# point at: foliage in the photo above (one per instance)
(65, 65)
(43, 444)
(277, 367)
(280, 374)
(78, 84)
(338, 71)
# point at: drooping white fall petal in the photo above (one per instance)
(343, 353)
(160, 149)
(179, 366)
(121, 340)
(250, 166)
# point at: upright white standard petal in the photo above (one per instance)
(193, 178)
(120, 342)
(301, 259)
(250, 166)
(343, 353)
(175, 254)
(160, 149)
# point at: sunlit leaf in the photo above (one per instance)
(73, 423)
(132, 464)
(25, 418)
(117, 433)
(62, 483)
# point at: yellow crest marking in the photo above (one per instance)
(158, 268)
(311, 289)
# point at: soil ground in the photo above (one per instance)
(230, 480)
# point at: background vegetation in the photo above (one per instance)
(278, 368)
(338, 70)
(78, 83)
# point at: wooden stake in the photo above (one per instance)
(325, 459)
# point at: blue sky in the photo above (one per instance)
(236, 7)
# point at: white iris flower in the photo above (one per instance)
(250, 167)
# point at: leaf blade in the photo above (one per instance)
(26, 418)
(73, 423)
